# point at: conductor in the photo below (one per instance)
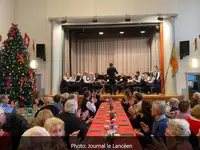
(111, 71)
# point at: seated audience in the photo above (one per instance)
(160, 121)
(143, 116)
(184, 110)
(88, 103)
(41, 118)
(138, 99)
(177, 134)
(4, 100)
(35, 138)
(38, 104)
(55, 127)
(172, 109)
(49, 104)
(64, 98)
(125, 101)
(57, 102)
(196, 99)
(15, 124)
(194, 121)
(72, 122)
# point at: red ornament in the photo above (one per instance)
(31, 74)
(8, 82)
(20, 58)
(22, 81)
(22, 98)
(13, 25)
(26, 40)
(12, 35)
(34, 86)
(5, 43)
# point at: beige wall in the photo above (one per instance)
(6, 16)
(32, 17)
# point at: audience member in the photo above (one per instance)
(35, 138)
(49, 104)
(138, 99)
(125, 101)
(177, 134)
(57, 102)
(41, 118)
(143, 116)
(69, 117)
(88, 103)
(196, 99)
(194, 121)
(15, 124)
(172, 109)
(37, 104)
(55, 127)
(64, 98)
(4, 100)
(184, 110)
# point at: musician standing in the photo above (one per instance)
(111, 72)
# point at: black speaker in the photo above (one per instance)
(184, 48)
(40, 51)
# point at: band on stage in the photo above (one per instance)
(147, 82)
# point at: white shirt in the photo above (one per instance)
(158, 75)
(91, 106)
(86, 79)
(151, 79)
(67, 79)
(138, 80)
(73, 79)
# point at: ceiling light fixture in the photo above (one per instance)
(142, 32)
(95, 20)
(160, 18)
(101, 33)
(127, 18)
(121, 32)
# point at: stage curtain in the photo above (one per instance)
(127, 54)
(155, 51)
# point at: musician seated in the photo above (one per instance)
(150, 82)
(92, 76)
(78, 78)
(73, 78)
(130, 80)
(137, 79)
(87, 82)
(64, 83)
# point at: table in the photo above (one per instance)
(127, 134)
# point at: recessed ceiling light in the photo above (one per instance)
(101, 33)
(142, 32)
(121, 32)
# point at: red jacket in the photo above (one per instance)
(194, 125)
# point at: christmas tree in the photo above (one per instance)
(17, 79)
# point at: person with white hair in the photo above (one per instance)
(172, 109)
(177, 135)
(72, 122)
(49, 104)
(15, 124)
(196, 99)
(160, 123)
(35, 138)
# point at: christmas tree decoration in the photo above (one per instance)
(26, 40)
(15, 68)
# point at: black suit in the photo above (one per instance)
(111, 71)
(16, 125)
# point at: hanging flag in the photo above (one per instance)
(33, 46)
(195, 44)
(199, 36)
(26, 40)
(174, 61)
(0, 37)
